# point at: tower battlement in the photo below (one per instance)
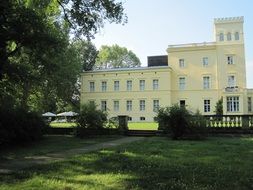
(228, 20)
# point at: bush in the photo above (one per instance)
(18, 126)
(180, 123)
(90, 117)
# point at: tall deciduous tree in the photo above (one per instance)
(116, 57)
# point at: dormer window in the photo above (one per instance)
(221, 37)
(237, 36)
(228, 36)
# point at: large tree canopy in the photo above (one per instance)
(116, 57)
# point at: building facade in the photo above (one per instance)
(196, 76)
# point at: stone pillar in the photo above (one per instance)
(123, 124)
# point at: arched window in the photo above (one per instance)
(228, 36)
(237, 36)
(221, 37)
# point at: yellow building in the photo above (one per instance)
(195, 75)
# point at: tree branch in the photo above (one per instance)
(65, 13)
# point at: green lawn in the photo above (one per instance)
(67, 124)
(154, 163)
(50, 143)
(143, 126)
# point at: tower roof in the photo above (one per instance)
(228, 20)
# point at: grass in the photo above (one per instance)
(154, 163)
(50, 143)
(143, 126)
(67, 124)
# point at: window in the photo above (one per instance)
(155, 105)
(103, 106)
(182, 103)
(116, 105)
(182, 83)
(230, 60)
(231, 81)
(229, 36)
(116, 85)
(155, 84)
(206, 105)
(221, 37)
(237, 36)
(104, 86)
(92, 86)
(129, 85)
(233, 103)
(92, 102)
(129, 118)
(142, 85)
(206, 82)
(181, 63)
(205, 61)
(129, 105)
(142, 118)
(249, 104)
(142, 105)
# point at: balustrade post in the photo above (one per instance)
(245, 121)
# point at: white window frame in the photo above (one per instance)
(206, 82)
(233, 104)
(129, 105)
(103, 86)
(116, 85)
(129, 85)
(103, 105)
(230, 59)
(221, 37)
(181, 63)
(92, 86)
(205, 61)
(182, 83)
(231, 81)
(237, 36)
(155, 84)
(142, 105)
(156, 105)
(229, 36)
(116, 105)
(207, 106)
(142, 85)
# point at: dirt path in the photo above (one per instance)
(10, 166)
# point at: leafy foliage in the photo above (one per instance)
(116, 57)
(181, 123)
(219, 107)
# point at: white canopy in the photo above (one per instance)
(70, 113)
(48, 114)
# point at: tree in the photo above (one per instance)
(219, 107)
(116, 57)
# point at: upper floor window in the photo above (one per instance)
(205, 61)
(181, 83)
(129, 85)
(231, 81)
(142, 85)
(116, 105)
(155, 84)
(116, 85)
(229, 36)
(233, 103)
(103, 105)
(237, 36)
(181, 63)
(155, 105)
(92, 86)
(142, 105)
(104, 86)
(206, 82)
(221, 37)
(230, 59)
(206, 105)
(249, 104)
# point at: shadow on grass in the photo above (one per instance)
(155, 163)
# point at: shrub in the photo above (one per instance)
(18, 126)
(90, 117)
(180, 123)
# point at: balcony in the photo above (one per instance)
(232, 89)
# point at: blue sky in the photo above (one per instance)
(155, 24)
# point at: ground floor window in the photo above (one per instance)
(103, 105)
(129, 119)
(233, 103)
(155, 105)
(206, 105)
(249, 104)
(142, 118)
(116, 105)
